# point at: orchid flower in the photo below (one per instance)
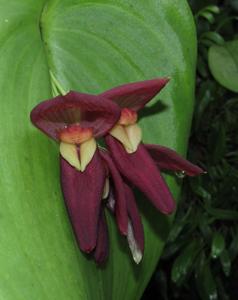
(91, 174)
(120, 193)
(75, 120)
(141, 164)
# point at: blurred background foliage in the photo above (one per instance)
(200, 259)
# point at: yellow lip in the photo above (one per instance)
(129, 135)
(79, 158)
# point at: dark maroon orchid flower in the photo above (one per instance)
(121, 202)
(92, 177)
(138, 163)
(75, 121)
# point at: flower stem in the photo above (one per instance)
(56, 85)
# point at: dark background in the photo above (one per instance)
(200, 259)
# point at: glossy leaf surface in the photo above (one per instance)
(205, 280)
(90, 46)
(218, 245)
(223, 62)
(184, 262)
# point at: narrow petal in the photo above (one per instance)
(136, 95)
(134, 134)
(86, 152)
(133, 245)
(102, 247)
(79, 156)
(135, 235)
(168, 159)
(70, 153)
(90, 111)
(130, 136)
(83, 194)
(106, 189)
(120, 198)
(119, 132)
(141, 171)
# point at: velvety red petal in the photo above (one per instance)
(135, 95)
(102, 247)
(83, 195)
(90, 111)
(135, 218)
(168, 159)
(120, 199)
(140, 170)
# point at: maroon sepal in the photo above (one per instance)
(168, 159)
(102, 247)
(90, 111)
(140, 170)
(120, 199)
(83, 195)
(135, 95)
(135, 218)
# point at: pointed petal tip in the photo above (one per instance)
(169, 210)
(196, 171)
(163, 81)
(167, 78)
(83, 211)
(148, 180)
(136, 95)
(122, 231)
(168, 159)
(102, 249)
(136, 251)
(137, 257)
(87, 249)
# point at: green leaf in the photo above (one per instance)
(205, 282)
(213, 36)
(234, 4)
(207, 15)
(178, 226)
(162, 282)
(217, 137)
(223, 63)
(225, 262)
(202, 67)
(184, 262)
(218, 245)
(89, 46)
(204, 226)
(213, 8)
(233, 249)
(222, 214)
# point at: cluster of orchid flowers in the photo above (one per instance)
(94, 177)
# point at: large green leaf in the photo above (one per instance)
(89, 46)
(223, 62)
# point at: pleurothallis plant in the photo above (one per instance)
(89, 46)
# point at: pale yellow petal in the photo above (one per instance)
(134, 247)
(69, 153)
(87, 150)
(119, 132)
(106, 189)
(134, 135)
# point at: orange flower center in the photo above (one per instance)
(74, 134)
(128, 117)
